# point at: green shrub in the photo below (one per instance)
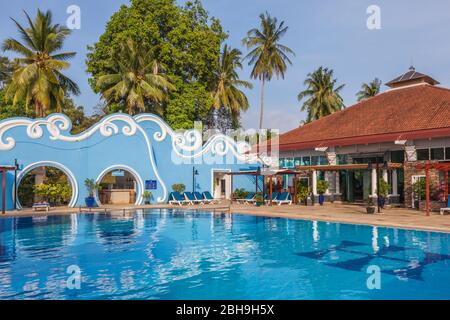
(92, 186)
(384, 188)
(178, 187)
(240, 193)
(302, 191)
(147, 194)
(322, 186)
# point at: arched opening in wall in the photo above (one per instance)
(118, 186)
(44, 184)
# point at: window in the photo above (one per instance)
(306, 161)
(437, 153)
(397, 156)
(341, 159)
(447, 153)
(298, 161)
(323, 160)
(289, 163)
(315, 160)
(282, 162)
(423, 154)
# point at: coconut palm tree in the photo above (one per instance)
(38, 76)
(135, 79)
(369, 90)
(227, 93)
(322, 95)
(267, 55)
(5, 70)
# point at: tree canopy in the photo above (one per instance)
(184, 39)
(322, 94)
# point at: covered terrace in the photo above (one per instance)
(311, 171)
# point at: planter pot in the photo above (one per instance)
(321, 199)
(90, 202)
(370, 210)
(381, 202)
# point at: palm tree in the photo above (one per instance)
(38, 78)
(369, 90)
(267, 55)
(5, 71)
(323, 97)
(227, 93)
(135, 78)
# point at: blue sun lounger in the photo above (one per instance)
(283, 198)
(250, 198)
(177, 198)
(447, 209)
(208, 197)
(201, 198)
(191, 198)
(274, 197)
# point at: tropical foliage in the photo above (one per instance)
(321, 94)
(267, 55)
(55, 193)
(369, 90)
(135, 79)
(227, 93)
(178, 187)
(91, 186)
(183, 39)
(39, 79)
(322, 186)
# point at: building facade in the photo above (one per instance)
(127, 154)
(407, 124)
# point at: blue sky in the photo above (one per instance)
(331, 33)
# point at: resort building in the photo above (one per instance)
(398, 129)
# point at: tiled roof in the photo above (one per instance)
(395, 112)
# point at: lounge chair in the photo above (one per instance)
(209, 198)
(283, 198)
(447, 209)
(191, 198)
(177, 198)
(201, 198)
(250, 198)
(37, 206)
(274, 197)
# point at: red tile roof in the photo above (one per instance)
(419, 111)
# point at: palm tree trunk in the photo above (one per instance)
(261, 115)
(36, 109)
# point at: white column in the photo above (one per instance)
(329, 179)
(336, 174)
(314, 182)
(394, 183)
(385, 175)
(374, 182)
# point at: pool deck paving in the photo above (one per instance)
(331, 212)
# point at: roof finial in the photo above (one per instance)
(412, 68)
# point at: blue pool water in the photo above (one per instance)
(185, 255)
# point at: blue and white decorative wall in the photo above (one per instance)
(143, 145)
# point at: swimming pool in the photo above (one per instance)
(166, 254)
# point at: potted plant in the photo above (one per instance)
(383, 192)
(302, 193)
(259, 200)
(91, 187)
(322, 187)
(370, 207)
(147, 195)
